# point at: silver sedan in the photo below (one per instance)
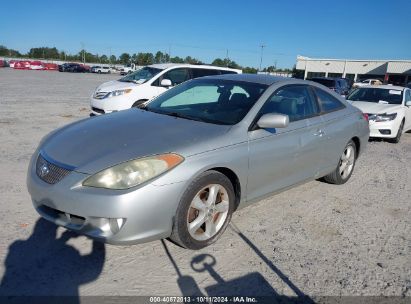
(182, 165)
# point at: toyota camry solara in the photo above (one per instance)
(181, 166)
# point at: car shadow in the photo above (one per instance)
(252, 284)
(44, 265)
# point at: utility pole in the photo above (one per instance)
(109, 58)
(83, 55)
(262, 46)
(169, 52)
(226, 57)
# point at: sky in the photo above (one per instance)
(378, 29)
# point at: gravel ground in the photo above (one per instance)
(316, 239)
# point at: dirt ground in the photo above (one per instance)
(316, 239)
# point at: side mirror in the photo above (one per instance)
(408, 103)
(166, 83)
(271, 121)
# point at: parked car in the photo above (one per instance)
(72, 67)
(101, 69)
(181, 166)
(143, 85)
(366, 82)
(408, 85)
(339, 85)
(388, 108)
(128, 69)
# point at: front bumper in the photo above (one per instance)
(386, 129)
(133, 216)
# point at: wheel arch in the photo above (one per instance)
(138, 102)
(357, 143)
(235, 181)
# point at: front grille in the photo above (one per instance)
(100, 95)
(48, 172)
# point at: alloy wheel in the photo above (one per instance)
(207, 212)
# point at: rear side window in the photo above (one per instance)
(296, 101)
(204, 72)
(327, 102)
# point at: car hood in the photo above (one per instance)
(375, 107)
(93, 144)
(115, 85)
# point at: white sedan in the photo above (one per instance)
(366, 82)
(388, 108)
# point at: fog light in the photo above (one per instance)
(116, 224)
(385, 131)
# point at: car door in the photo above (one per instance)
(333, 128)
(407, 97)
(281, 157)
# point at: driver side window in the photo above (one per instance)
(296, 101)
(177, 76)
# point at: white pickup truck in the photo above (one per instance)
(130, 68)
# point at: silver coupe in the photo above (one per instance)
(182, 165)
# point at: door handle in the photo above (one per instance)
(319, 133)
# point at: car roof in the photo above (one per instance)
(384, 86)
(163, 66)
(252, 78)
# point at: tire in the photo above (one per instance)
(397, 138)
(199, 209)
(99, 71)
(347, 162)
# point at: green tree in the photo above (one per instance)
(159, 57)
(250, 70)
(176, 59)
(113, 59)
(125, 58)
(145, 58)
(192, 60)
(44, 52)
(103, 59)
(226, 63)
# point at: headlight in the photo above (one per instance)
(133, 172)
(382, 117)
(118, 93)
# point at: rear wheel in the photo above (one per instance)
(204, 211)
(397, 138)
(345, 166)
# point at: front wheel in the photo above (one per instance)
(397, 138)
(204, 211)
(345, 166)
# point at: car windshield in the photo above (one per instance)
(215, 101)
(389, 96)
(141, 75)
(329, 83)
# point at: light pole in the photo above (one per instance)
(262, 46)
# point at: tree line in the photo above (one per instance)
(140, 58)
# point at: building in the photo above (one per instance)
(396, 72)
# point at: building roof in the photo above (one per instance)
(299, 57)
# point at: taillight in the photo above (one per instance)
(365, 115)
